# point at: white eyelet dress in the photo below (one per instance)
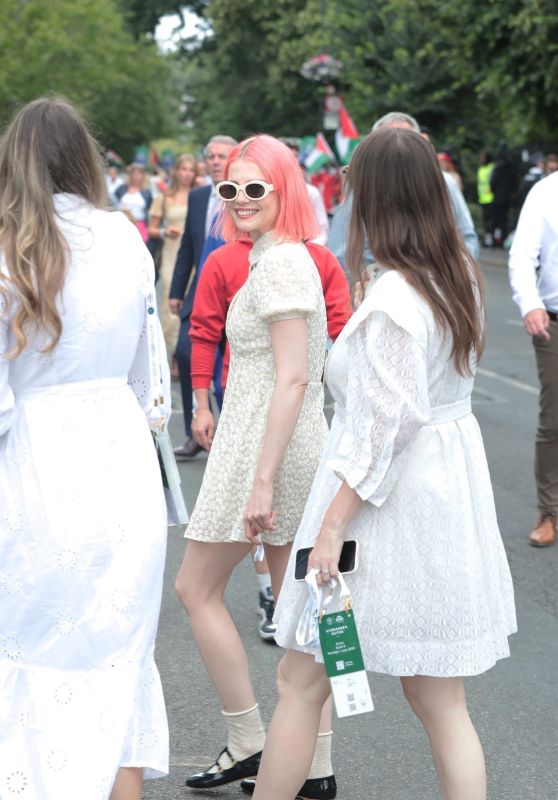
(82, 530)
(432, 593)
(283, 283)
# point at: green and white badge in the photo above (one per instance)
(339, 642)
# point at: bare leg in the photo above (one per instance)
(200, 586)
(277, 558)
(128, 784)
(291, 739)
(440, 705)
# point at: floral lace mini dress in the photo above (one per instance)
(283, 284)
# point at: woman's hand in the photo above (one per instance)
(327, 551)
(172, 233)
(203, 427)
(259, 516)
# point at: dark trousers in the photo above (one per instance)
(183, 356)
(500, 220)
(546, 448)
(488, 218)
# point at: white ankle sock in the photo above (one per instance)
(264, 582)
(246, 734)
(321, 763)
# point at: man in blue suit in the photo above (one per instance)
(203, 206)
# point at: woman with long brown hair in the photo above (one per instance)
(167, 217)
(405, 474)
(82, 511)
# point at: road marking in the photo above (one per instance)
(517, 322)
(524, 387)
(482, 396)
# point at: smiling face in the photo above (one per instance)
(254, 217)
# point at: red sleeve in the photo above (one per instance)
(337, 294)
(207, 322)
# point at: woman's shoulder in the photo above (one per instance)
(392, 295)
(284, 254)
(390, 288)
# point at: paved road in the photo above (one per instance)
(385, 755)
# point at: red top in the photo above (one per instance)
(224, 272)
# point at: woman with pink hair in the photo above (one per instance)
(269, 441)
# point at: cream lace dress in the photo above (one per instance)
(283, 284)
(433, 593)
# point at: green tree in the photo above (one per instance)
(84, 52)
(237, 83)
(474, 72)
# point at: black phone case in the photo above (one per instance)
(346, 560)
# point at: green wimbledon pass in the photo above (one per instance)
(344, 663)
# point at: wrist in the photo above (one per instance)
(263, 482)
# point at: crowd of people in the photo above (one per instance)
(251, 302)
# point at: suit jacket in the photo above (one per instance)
(190, 251)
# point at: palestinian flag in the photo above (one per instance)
(346, 137)
(114, 159)
(319, 155)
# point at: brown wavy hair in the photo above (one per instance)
(46, 149)
(401, 207)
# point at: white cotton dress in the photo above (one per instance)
(432, 593)
(82, 531)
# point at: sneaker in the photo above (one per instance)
(266, 610)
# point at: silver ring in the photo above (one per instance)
(324, 572)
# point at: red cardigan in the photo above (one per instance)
(224, 272)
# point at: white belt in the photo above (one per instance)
(450, 413)
(438, 414)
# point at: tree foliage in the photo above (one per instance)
(473, 71)
(142, 16)
(84, 52)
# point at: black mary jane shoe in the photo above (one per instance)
(313, 789)
(245, 768)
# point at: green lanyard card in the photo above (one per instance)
(343, 660)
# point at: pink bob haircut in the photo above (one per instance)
(296, 220)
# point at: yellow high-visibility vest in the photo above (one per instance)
(483, 184)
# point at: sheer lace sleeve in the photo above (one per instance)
(139, 377)
(387, 404)
(7, 400)
(283, 286)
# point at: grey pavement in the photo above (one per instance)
(385, 754)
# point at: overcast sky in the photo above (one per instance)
(164, 30)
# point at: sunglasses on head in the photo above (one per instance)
(254, 190)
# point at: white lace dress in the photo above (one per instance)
(82, 532)
(283, 284)
(433, 593)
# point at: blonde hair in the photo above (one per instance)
(46, 149)
(182, 159)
